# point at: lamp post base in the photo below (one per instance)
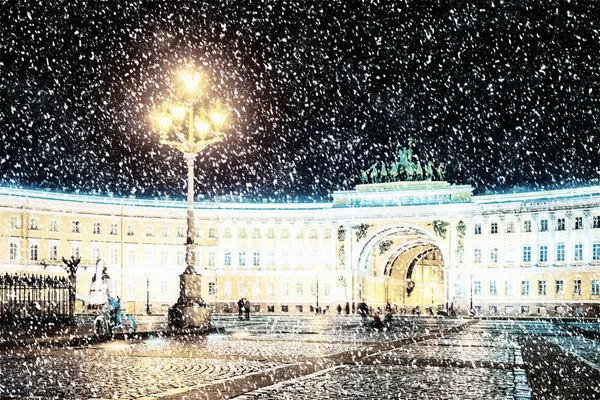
(190, 310)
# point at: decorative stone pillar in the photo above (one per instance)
(535, 232)
(569, 244)
(587, 245)
(552, 245)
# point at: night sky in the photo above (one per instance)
(505, 94)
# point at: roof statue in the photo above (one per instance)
(405, 167)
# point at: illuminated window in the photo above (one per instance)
(560, 252)
(196, 231)
(271, 233)
(595, 287)
(256, 233)
(477, 256)
(544, 225)
(542, 287)
(493, 288)
(285, 233)
(510, 227)
(13, 251)
(242, 233)
(242, 257)
(180, 258)
(227, 258)
(477, 288)
(560, 287)
(300, 233)
(493, 255)
(149, 231)
(328, 233)
(596, 224)
(596, 251)
(75, 249)
(314, 234)
(34, 250)
(543, 253)
(578, 223)
(527, 225)
(114, 229)
(560, 224)
(212, 288)
(578, 252)
(180, 231)
(256, 258)
(75, 227)
(53, 225)
(577, 287)
(212, 233)
(34, 223)
(14, 222)
(270, 289)
(96, 228)
(164, 231)
(131, 255)
(525, 288)
(113, 255)
(53, 251)
(130, 230)
(477, 230)
(299, 288)
(212, 257)
(527, 254)
(227, 233)
(508, 288)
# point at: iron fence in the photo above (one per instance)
(34, 297)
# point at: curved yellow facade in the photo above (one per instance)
(426, 244)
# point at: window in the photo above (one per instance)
(543, 253)
(53, 225)
(327, 289)
(34, 223)
(130, 230)
(271, 233)
(578, 252)
(526, 254)
(96, 228)
(313, 234)
(75, 249)
(510, 227)
(596, 251)
(164, 231)
(524, 309)
(270, 258)
(212, 258)
(114, 230)
(256, 289)
(596, 224)
(256, 258)
(164, 288)
(560, 252)
(527, 225)
(510, 254)
(477, 230)
(180, 258)
(13, 251)
(285, 257)
(95, 254)
(313, 289)
(212, 288)
(75, 227)
(14, 222)
(242, 233)
(493, 255)
(300, 233)
(524, 288)
(212, 233)
(180, 231)
(270, 289)
(130, 255)
(227, 233)
(164, 257)
(242, 289)
(227, 258)
(477, 256)
(34, 249)
(477, 288)
(508, 288)
(113, 255)
(299, 288)
(578, 223)
(542, 287)
(242, 257)
(544, 225)
(285, 233)
(560, 224)
(577, 287)
(53, 251)
(227, 289)
(149, 230)
(285, 289)
(560, 287)
(595, 287)
(256, 233)
(328, 232)
(493, 288)
(197, 257)
(196, 231)
(494, 228)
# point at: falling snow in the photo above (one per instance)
(505, 94)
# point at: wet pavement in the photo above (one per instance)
(324, 357)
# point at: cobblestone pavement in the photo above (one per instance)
(321, 358)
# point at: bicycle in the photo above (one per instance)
(105, 322)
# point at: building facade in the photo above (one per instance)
(409, 244)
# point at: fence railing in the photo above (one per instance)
(34, 297)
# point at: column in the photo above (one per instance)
(501, 245)
(568, 243)
(552, 244)
(535, 233)
(587, 245)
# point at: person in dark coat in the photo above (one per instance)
(247, 308)
(240, 308)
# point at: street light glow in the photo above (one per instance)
(191, 80)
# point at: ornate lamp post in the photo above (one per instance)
(203, 130)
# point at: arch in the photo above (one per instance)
(387, 266)
(390, 230)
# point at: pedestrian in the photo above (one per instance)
(247, 308)
(101, 291)
(347, 308)
(240, 308)
(339, 309)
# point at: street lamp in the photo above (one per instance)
(204, 128)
